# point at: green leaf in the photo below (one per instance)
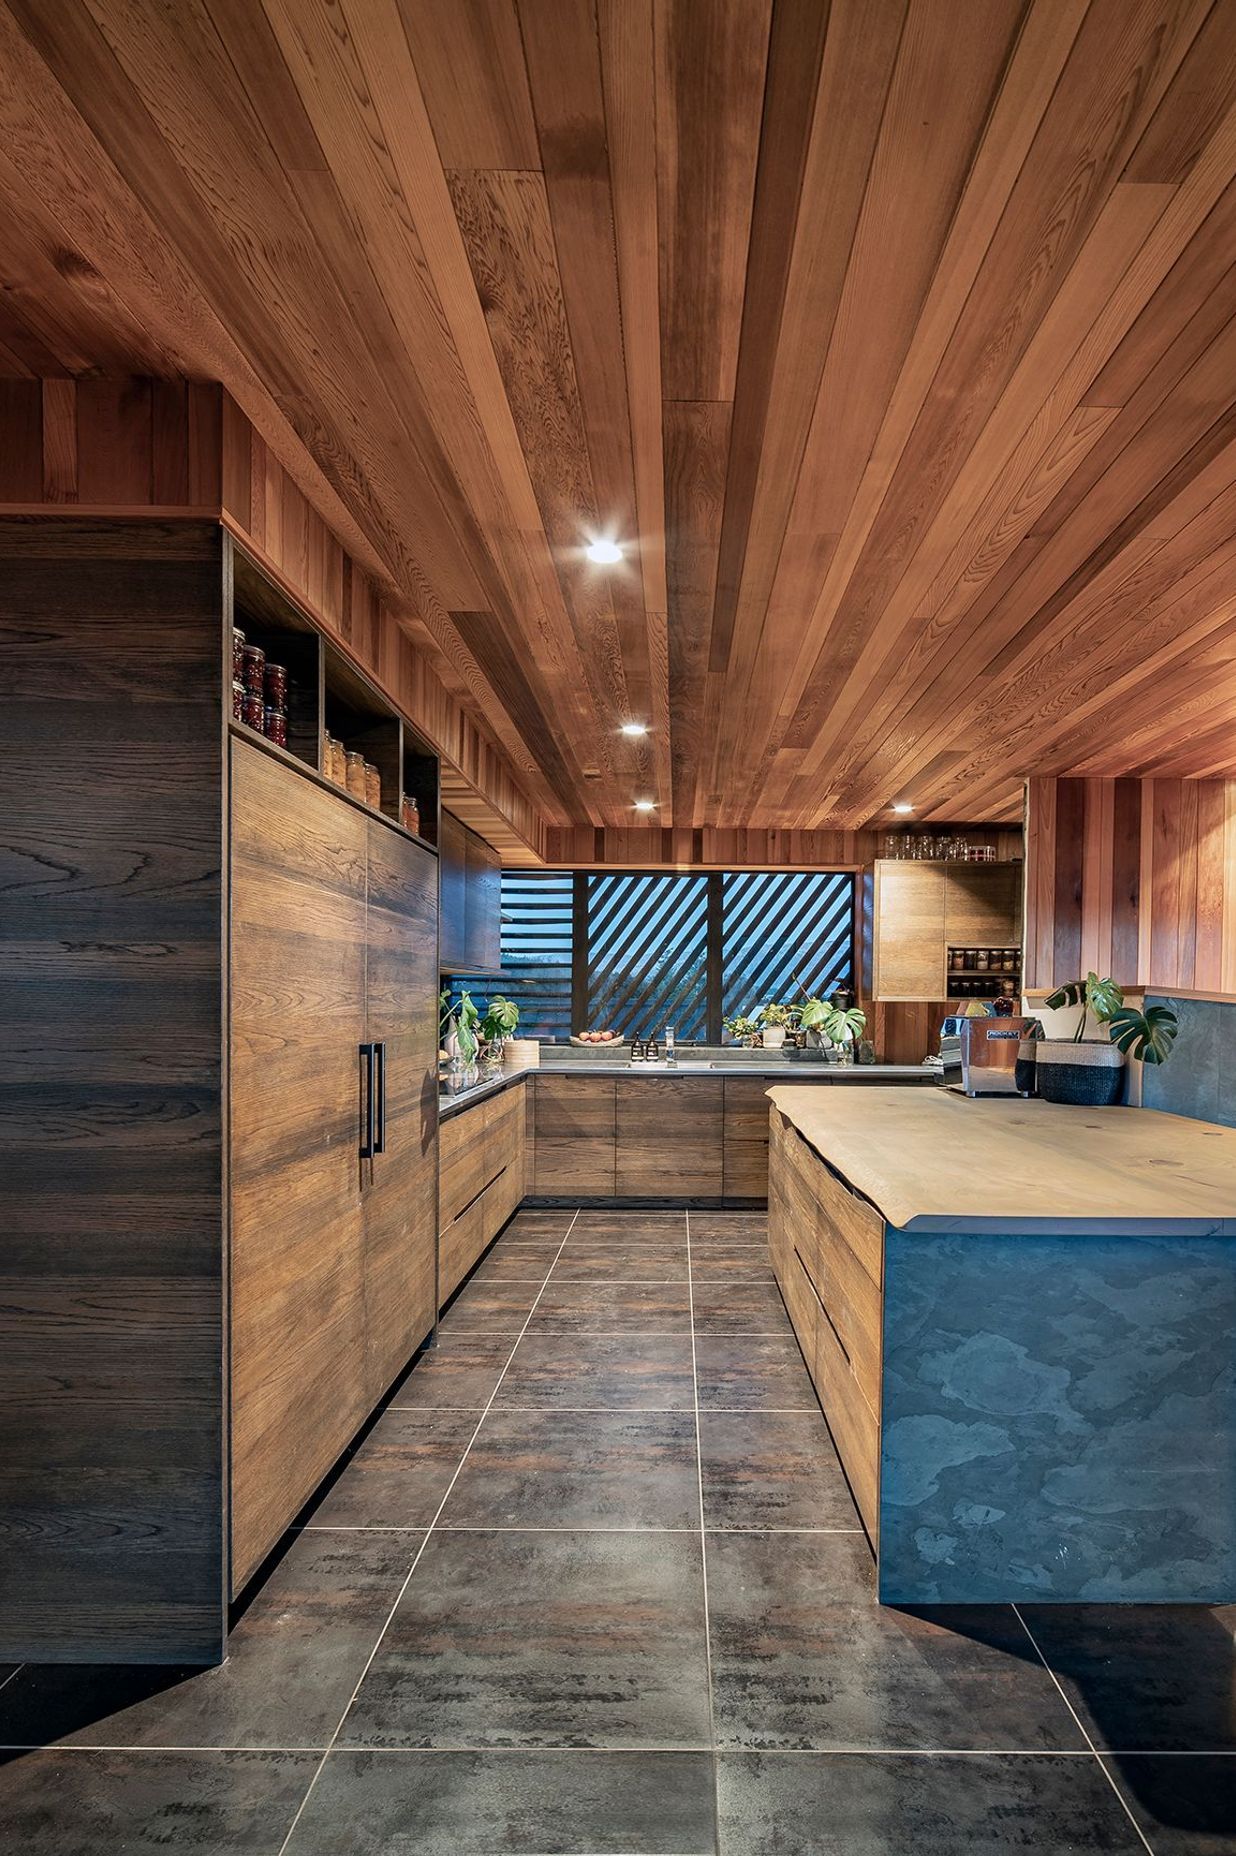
(1072, 993)
(1103, 997)
(1147, 1035)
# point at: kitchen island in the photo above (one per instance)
(1021, 1321)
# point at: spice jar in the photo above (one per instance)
(373, 786)
(255, 711)
(238, 655)
(277, 687)
(238, 700)
(355, 777)
(254, 669)
(410, 814)
(336, 764)
(275, 726)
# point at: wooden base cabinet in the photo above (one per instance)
(482, 1159)
(332, 1254)
(575, 1136)
(668, 1137)
(827, 1251)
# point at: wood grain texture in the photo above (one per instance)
(483, 1162)
(575, 1135)
(1134, 878)
(111, 1159)
(668, 1138)
(900, 359)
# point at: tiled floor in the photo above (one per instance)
(594, 1584)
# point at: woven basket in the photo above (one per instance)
(1089, 1074)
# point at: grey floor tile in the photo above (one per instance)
(825, 1804)
(525, 1803)
(591, 1261)
(398, 1476)
(542, 1639)
(1185, 1803)
(460, 1374)
(1152, 1678)
(738, 1307)
(803, 1656)
(731, 1263)
(293, 1661)
(608, 1307)
(490, 1308)
(627, 1372)
(753, 1372)
(631, 1227)
(729, 1228)
(137, 1803)
(537, 1223)
(579, 1469)
(772, 1469)
(517, 1262)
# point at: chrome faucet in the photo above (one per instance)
(670, 1058)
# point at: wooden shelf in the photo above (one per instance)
(245, 733)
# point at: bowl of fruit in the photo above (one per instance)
(593, 1039)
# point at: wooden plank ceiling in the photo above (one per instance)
(894, 339)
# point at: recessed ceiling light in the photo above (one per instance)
(903, 807)
(635, 728)
(603, 553)
(645, 805)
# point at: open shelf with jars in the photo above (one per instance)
(301, 695)
(984, 972)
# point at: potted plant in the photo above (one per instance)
(500, 1022)
(1089, 1071)
(459, 1029)
(740, 1030)
(774, 1022)
(836, 1025)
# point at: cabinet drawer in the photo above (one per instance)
(460, 1245)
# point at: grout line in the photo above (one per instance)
(736, 1751)
(707, 1411)
(1081, 1728)
(12, 1672)
(291, 1831)
(624, 1333)
(487, 1527)
(699, 1470)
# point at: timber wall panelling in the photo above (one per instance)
(1136, 878)
(175, 448)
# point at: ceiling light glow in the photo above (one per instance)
(634, 728)
(645, 805)
(603, 553)
(902, 807)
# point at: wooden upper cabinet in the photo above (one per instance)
(982, 905)
(471, 900)
(921, 909)
(483, 905)
(452, 893)
(909, 945)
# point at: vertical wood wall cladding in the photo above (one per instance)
(1136, 878)
(111, 1150)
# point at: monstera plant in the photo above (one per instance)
(1089, 1071)
(1147, 1035)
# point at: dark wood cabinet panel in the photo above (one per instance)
(669, 1137)
(482, 1153)
(111, 1157)
(745, 1136)
(575, 1135)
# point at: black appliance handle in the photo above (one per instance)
(367, 1139)
(379, 1145)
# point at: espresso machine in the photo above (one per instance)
(989, 1049)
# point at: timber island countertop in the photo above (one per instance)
(933, 1160)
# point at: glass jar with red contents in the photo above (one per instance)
(275, 726)
(238, 700)
(277, 687)
(238, 655)
(255, 711)
(255, 670)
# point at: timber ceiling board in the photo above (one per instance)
(895, 338)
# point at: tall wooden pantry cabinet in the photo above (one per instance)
(218, 1172)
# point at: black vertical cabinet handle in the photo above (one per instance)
(367, 1140)
(379, 1145)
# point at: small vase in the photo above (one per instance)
(774, 1037)
(844, 1053)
